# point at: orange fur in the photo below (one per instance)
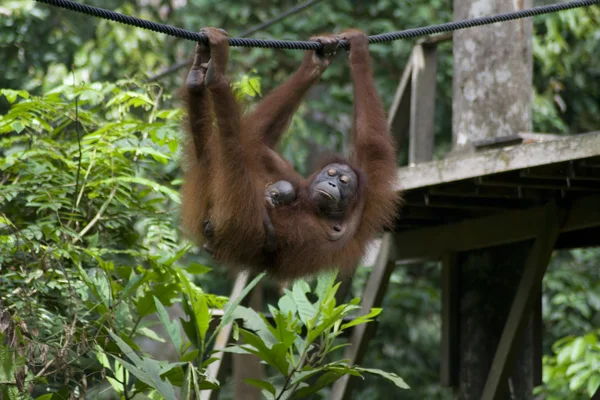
(229, 169)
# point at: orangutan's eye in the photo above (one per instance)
(331, 172)
(344, 179)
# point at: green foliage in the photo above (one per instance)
(299, 339)
(121, 271)
(90, 255)
(567, 78)
(572, 315)
(88, 238)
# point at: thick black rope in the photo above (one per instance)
(256, 28)
(306, 45)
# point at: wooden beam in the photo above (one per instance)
(399, 113)
(373, 297)
(537, 331)
(498, 229)
(499, 160)
(214, 369)
(249, 366)
(450, 321)
(523, 303)
(422, 103)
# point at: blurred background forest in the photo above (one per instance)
(127, 216)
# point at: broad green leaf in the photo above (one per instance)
(261, 385)
(232, 305)
(578, 348)
(398, 381)
(573, 368)
(304, 375)
(306, 309)
(593, 384)
(197, 269)
(191, 356)
(324, 380)
(325, 281)
(199, 306)
(11, 95)
(255, 323)
(363, 318)
(149, 333)
(145, 369)
(564, 355)
(275, 356)
(172, 327)
(579, 379)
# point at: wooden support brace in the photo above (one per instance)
(214, 369)
(422, 103)
(524, 301)
(450, 321)
(494, 230)
(249, 366)
(399, 113)
(373, 297)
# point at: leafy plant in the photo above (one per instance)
(301, 337)
(91, 260)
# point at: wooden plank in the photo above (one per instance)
(502, 228)
(249, 366)
(214, 369)
(450, 321)
(422, 103)
(399, 113)
(538, 339)
(527, 294)
(498, 160)
(373, 297)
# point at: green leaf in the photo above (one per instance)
(172, 327)
(363, 318)
(149, 333)
(230, 307)
(254, 322)
(275, 356)
(593, 384)
(261, 385)
(146, 370)
(564, 355)
(306, 309)
(197, 269)
(11, 95)
(579, 379)
(399, 382)
(191, 356)
(573, 368)
(199, 306)
(324, 380)
(578, 348)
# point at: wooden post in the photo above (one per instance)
(373, 297)
(422, 103)
(449, 351)
(399, 113)
(214, 370)
(248, 365)
(491, 98)
(524, 302)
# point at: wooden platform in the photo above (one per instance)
(496, 196)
